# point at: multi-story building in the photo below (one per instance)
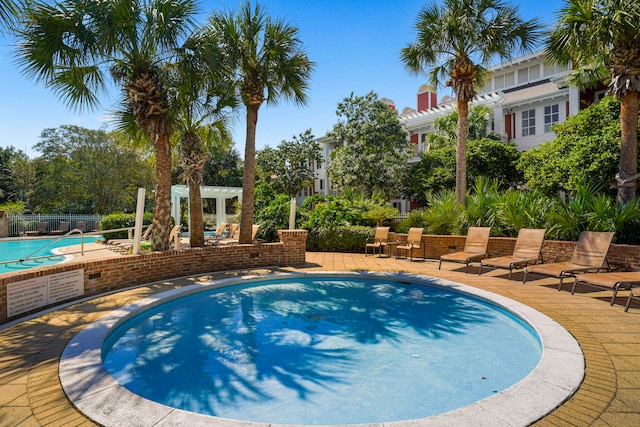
(527, 95)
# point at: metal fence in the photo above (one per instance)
(19, 225)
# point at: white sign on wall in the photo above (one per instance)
(31, 294)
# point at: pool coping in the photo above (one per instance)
(98, 395)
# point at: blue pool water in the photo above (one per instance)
(321, 351)
(18, 249)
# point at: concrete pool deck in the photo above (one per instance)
(31, 394)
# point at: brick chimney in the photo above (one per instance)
(389, 102)
(427, 98)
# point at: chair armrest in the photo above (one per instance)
(618, 266)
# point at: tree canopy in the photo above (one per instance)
(456, 40)
(87, 171)
(593, 134)
(75, 47)
(290, 167)
(373, 149)
(486, 157)
(265, 61)
(601, 41)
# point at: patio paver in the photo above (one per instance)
(31, 395)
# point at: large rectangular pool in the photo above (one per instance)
(17, 249)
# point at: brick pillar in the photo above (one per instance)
(295, 246)
(4, 226)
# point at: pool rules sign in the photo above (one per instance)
(31, 294)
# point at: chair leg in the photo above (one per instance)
(440, 264)
(480, 270)
(524, 279)
(510, 271)
(629, 298)
(615, 292)
(560, 284)
(573, 288)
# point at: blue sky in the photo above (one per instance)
(355, 45)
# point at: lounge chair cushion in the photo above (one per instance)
(507, 261)
(557, 269)
(609, 279)
(463, 257)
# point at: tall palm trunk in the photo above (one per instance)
(629, 147)
(196, 223)
(162, 199)
(193, 160)
(248, 178)
(461, 150)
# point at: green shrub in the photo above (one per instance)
(13, 208)
(121, 220)
(413, 219)
(339, 239)
(272, 217)
(444, 215)
(381, 214)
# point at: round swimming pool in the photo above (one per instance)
(320, 349)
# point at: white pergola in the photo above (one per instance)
(221, 194)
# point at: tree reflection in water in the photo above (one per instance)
(247, 343)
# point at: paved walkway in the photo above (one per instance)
(31, 395)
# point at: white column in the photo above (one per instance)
(221, 214)
(175, 209)
(137, 234)
(574, 100)
(498, 121)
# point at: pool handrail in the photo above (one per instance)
(70, 232)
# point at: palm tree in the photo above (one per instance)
(265, 60)
(8, 14)
(203, 106)
(457, 40)
(600, 38)
(75, 45)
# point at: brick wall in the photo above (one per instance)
(130, 270)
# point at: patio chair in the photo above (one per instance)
(379, 241)
(589, 255)
(610, 281)
(41, 228)
(475, 248)
(219, 234)
(144, 238)
(82, 226)
(64, 228)
(526, 252)
(414, 241)
(232, 236)
(174, 235)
